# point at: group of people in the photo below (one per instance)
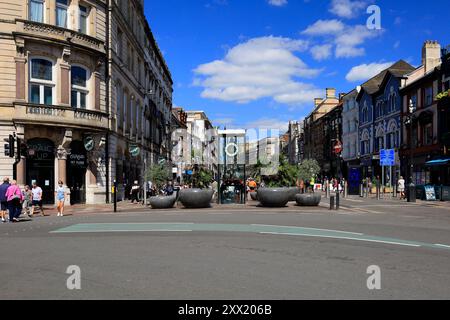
(14, 201)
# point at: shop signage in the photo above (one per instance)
(135, 151)
(78, 160)
(89, 143)
(41, 150)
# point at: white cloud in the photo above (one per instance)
(324, 27)
(347, 39)
(268, 123)
(347, 8)
(364, 72)
(265, 67)
(278, 3)
(321, 52)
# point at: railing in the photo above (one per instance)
(58, 115)
(71, 36)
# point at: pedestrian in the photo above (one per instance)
(168, 190)
(312, 183)
(215, 187)
(135, 189)
(60, 195)
(37, 199)
(14, 198)
(3, 200)
(401, 188)
(27, 200)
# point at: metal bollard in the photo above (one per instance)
(361, 190)
(337, 200)
(378, 192)
(115, 196)
(332, 203)
(327, 191)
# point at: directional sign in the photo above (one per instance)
(387, 157)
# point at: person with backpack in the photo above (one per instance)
(14, 197)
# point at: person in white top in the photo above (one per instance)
(37, 199)
(401, 188)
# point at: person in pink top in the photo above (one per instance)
(14, 197)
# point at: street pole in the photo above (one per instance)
(145, 179)
(115, 196)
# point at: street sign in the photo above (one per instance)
(387, 157)
(89, 143)
(161, 161)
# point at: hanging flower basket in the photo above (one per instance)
(443, 95)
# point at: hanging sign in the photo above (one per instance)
(89, 143)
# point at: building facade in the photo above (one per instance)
(379, 120)
(421, 137)
(333, 162)
(62, 65)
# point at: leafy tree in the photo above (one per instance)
(286, 176)
(159, 174)
(202, 178)
(308, 169)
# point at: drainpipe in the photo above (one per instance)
(108, 100)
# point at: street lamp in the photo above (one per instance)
(409, 120)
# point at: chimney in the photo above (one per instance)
(431, 55)
(317, 101)
(331, 93)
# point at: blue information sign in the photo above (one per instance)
(387, 157)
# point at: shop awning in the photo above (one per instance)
(438, 162)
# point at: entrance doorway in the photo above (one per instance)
(76, 173)
(41, 167)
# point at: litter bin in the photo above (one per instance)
(411, 193)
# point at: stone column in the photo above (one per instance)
(21, 171)
(62, 165)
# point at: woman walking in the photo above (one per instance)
(14, 197)
(27, 199)
(60, 194)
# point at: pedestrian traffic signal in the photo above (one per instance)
(9, 147)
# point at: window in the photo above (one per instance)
(84, 14)
(379, 143)
(125, 112)
(79, 78)
(37, 10)
(428, 96)
(428, 134)
(61, 13)
(119, 45)
(414, 101)
(41, 81)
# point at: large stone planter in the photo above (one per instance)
(254, 195)
(162, 202)
(196, 198)
(293, 192)
(273, 197)
(308, 199)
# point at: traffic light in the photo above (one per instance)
(9, 147)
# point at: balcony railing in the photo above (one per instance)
(59, 116)
(51, 31)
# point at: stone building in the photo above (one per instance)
(61, 68)
(314, 127)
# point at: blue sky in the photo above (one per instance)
(259, 63)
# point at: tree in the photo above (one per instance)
(202, 178)
(159, 174)
(286, 176)
(308, 169)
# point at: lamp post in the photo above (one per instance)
(409, 120)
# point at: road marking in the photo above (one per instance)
(442, 245)
(123, 231)
(344, 238)
(326, 230)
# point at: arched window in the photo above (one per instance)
(365, 113)
(392, 136)
(392, 102)
(365, 142)
(379, 139)
(42, 81)
(79, 79)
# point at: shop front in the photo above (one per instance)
(40, 167)
(76, 172)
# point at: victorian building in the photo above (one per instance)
(379, 119)
(72, 93)
(332, 148)
(423, 147)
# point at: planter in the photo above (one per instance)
(162, 202)
(308, 200)
(273, 197)
(293, 191)
(254, 195)
(196, 198)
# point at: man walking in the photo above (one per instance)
(3, 200)
(135, 189)
(37, 199)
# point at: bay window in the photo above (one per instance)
(36, 12)
(41, 83)
(79, 79)
(61, 13)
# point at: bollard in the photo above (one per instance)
(345, 190)
(115, 196)
(331, 203)
(327, 188)
(337, 200)
(361, 190)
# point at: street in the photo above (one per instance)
(233, 253)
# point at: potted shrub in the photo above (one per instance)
(201, 195)
(159, 175)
